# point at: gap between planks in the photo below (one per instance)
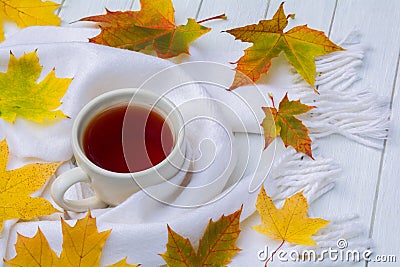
(59, 9)
(383, 155)
(332, 19)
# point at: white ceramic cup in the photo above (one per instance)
(112, 188)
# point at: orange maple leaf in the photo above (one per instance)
(154, 25)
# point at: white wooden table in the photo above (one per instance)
(369, 184)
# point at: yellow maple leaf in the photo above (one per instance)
(290, 223)
(17, 185)
(300, 45)
(123, 263)
(28, 13)
(82, 246)
(1, 33)
(36, 249)
(21, 95)
(82, 243)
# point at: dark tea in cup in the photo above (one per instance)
(147, 139)
(120, 150)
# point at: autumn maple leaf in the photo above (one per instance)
(81, 247)
(300, 45)
(28, 13)
(21, 95)
(283, 122)
(216, 247)
(288, 224)
(16, 186)
(154, 25)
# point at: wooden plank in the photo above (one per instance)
(386, 230)
(356, 187)
(73, 10)
(185, 9)
(377, 22)
(378, 75)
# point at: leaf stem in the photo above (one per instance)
(292, 16)
(222, 16)
(272, 99)
(273, 253)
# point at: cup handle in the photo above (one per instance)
(64, 182)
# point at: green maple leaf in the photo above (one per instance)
(22, 96)
(216, 247)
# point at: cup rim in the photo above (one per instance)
(77, 149)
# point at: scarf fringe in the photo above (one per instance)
(346, 233)
(294, 172)
(358, 115)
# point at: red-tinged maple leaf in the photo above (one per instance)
(300, 45)
(283, 122)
